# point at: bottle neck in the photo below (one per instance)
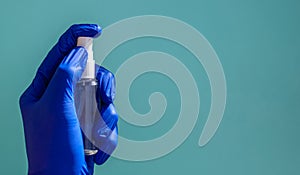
(88, 82)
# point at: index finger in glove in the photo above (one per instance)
(62, 48)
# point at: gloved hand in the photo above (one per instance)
(52, 133)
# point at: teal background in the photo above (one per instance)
(258, 44)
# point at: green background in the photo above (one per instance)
(258, 44)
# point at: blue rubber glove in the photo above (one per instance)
(52, 133)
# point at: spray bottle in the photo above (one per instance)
(85, 98)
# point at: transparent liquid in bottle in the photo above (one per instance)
(86, 110)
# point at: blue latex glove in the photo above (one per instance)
(52, 133)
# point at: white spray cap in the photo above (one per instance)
(87, 43)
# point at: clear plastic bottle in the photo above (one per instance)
(85, 98)
(86, 109)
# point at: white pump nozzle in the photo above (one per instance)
(87, 43)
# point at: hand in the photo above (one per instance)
(52, 133)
